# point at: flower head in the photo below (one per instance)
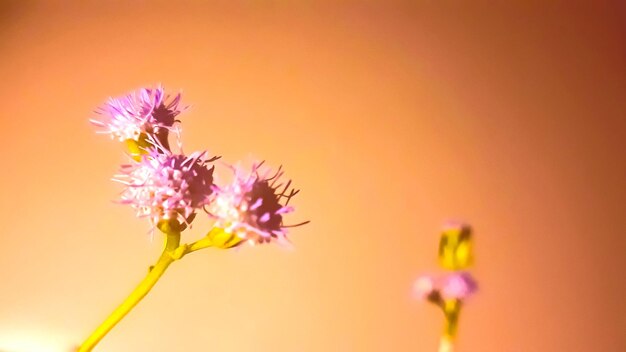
(456, 285)
(253, 205)
(424, 286)
(145, 112)
(167, 186)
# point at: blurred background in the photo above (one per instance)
(392, 117)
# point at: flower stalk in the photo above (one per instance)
(171, 188)
(451, 290)
(446, 344)
(451, 310)
(167, 257)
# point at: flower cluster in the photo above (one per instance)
(173, 187)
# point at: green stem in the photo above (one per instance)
(167, 258)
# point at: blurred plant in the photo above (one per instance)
(170, 189)
(449, 291)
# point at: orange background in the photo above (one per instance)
(391, 118)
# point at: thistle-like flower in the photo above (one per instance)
(253, 205)
(167, 186)
(146, 112)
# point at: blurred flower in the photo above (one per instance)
(166, 186)
(424, 286)
(457, 285)
(455, 246)
(139, 114)
(252, 206)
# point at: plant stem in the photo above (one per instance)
(446, 344)
(167, 258)
(217, 238)
(451, 310)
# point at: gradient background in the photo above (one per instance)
(391, 118)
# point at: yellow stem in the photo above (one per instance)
(451, 310)
(446, 344)
(217, 238)
(167, 258)
(202, 243)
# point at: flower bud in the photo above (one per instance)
(222, 239)
(455, 247)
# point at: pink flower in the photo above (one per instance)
(458, 285)
(424, 286)
(253, 205)
(146, 111)
(164, 186)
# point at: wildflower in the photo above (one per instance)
(252, 206)
(456, 285)
(424, 286)
(143, 113)
(167, 186)
(449, 291)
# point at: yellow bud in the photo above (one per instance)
(455, 247)
(222, 239)
(137, 148)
